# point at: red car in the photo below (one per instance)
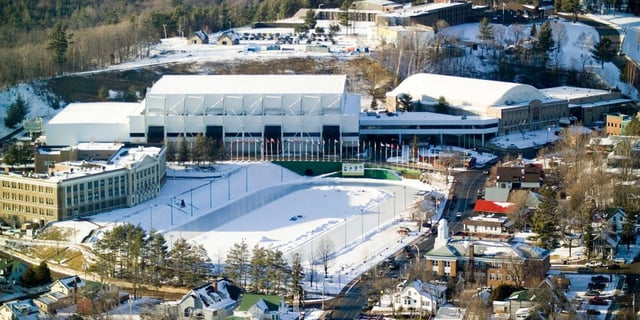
(598, 301)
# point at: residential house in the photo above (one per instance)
(419, 297)
(493, 207)
(524, 302)
(605, 244)
(99, 299)
(11, 271)
(488, 226)
(19, 310)
(615, 219)
(261, 307)
(67, 285)
(516, 301)
(49, 302)
(228, 39)
(526, 177)
(214, 300)
(487, 262)
(199, 37)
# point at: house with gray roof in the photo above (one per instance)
(215, 300)
(20, 310)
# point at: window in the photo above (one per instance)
(434, 263)
(447, 264)
(492, 276)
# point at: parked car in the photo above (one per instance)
(592, 293)
(593, 312)
(597, 285)
(593, 264)
(598, 301)
(614, 266)
(584, 270)
(458, 215)
(599, 278)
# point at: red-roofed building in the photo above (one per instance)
(485, 206)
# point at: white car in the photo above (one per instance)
(593, 264)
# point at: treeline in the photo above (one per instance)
(102, 33)
(127, 252)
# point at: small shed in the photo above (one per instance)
(228, 39)
(199, 37)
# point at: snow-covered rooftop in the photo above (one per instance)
(97, 113)
(423, 9)
(256, 84)
(459, 91)
(568, 92)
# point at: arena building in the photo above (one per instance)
(517, 107)
(264, 115)
(294, 112)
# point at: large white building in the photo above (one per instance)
(289, 110)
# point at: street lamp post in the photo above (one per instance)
(378, 215)
(362, 223)
(394, 208)
(173, 201)
(150, 218)
(345, 232)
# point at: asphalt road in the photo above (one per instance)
(351, 301)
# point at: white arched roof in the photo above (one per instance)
(459, 91)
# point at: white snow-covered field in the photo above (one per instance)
(358, 219)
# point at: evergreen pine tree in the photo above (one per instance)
(633, 127)
(628, 235)
(59, 42)
(236, 263)
(534, 31)
(296, 278)
(603, 52)
(544, 219)
(587, 238)
(183, 153)
(258, 269)
(42, 273)
(16, 112)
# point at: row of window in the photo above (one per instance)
(18, 208)
(498, 276)
(27, 187)
(80, 187)
(26, 197)
(97, 206)
(435, 263)
(96, 196)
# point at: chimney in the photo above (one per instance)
(214, 285)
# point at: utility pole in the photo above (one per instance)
(164, 26)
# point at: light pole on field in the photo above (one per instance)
(362, 222)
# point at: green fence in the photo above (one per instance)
(312, 168)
